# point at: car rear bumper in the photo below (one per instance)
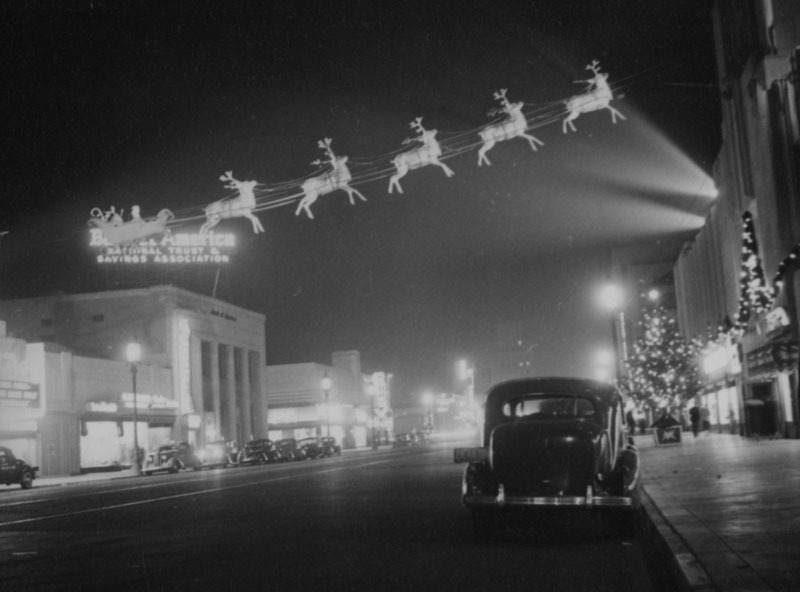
(589, 500)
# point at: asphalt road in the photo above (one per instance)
(369, 520)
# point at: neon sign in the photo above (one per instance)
(172, 248)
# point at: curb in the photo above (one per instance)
(684, 568)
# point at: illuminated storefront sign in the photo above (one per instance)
(19, 394)
(177, 248)
(146, 401)
(101, 407)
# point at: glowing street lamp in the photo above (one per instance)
(611, 297)
(326, 388)
(133, 352)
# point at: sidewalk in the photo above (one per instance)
(70, 479)
(728, 507)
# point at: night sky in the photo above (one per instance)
(150, 103)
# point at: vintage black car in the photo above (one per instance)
(311, 447)
(404, 440)
(330, 447)
(259, 452)
(551, 442)
(172, 457)
(217, 454)
(288, 450)
(15, 470)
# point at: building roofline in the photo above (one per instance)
(169, 290)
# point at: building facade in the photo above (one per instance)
(309, 399)
(738, 274)
(67, 413)
(201, 376)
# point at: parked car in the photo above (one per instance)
(330, 447)
(216, 454)
(311, 447)
(551, 442)
(408, 439)
(288, 450)
(15, 470)
(172, 457)
(257, 452)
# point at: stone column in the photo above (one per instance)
(228, 387)
(213, 384)
(257, 395)
(243, 382)
(196, 375)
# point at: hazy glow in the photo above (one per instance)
(646, 177)
(133, 353)
(602, 374)
(672, 172)
(611, 296)
(461, 369)
(325, 383)
(604, 357)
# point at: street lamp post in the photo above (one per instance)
(134, 355)
(466, 373)
(613, 299)
(427, 400)
(372, 409)
(326, 387)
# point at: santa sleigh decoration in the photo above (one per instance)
(116, 231)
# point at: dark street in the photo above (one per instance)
(370, 520)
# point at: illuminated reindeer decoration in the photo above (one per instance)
(514, 126)
(428, 153)
(240, 206)
(337, 178)
(598, 95)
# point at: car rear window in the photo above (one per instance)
(548, 406)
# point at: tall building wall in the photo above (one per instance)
(756, 172)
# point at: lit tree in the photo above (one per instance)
(662, 372)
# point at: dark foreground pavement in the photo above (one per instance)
(728, 509)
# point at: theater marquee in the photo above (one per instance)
(172, 249)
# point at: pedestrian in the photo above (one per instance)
(694, 418)
(631, 421)
(705, 419)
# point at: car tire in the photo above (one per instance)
(26, 480)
